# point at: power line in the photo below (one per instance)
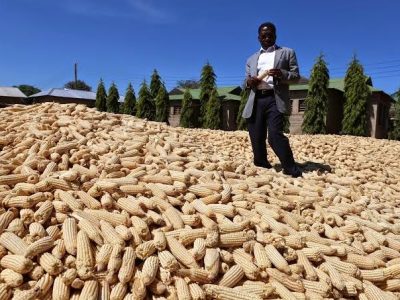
(371, 64)
(378, 69)
(373, 74)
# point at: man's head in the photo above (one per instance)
(267, 34)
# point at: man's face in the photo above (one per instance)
(267, 37)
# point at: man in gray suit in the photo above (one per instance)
(268, 74)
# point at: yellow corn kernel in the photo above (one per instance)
(277, 259)
(138, 288)
(182, 289)
(234, 239)
(308, 268)
(343, 267)
(202, 208)
(58, 183)
(196, 275)
(149, 270)
(373, 292)
(282, 291)
(36, 230)
(131, 206)
(39, 246)
(5, 291)
(112, 218)
(187, 237)
(128, 265)
(17, 263)
(11, 278)
(73, 203)
(226, 293)
(115, 260)
(244, 260)
(212, 262)
(13, 243)
(141, 226)
(181, 253)
(199, 248)
(91, 230)
(145, 249)
(89, 290)
(88, 200)
(69, 276)
(318, 287)
(105, 290)
(36, 273)
(109, 234)
(50, 264)
(232, 277)
(13, 179)
(160, 241)
(123, 232)
(84, 255)
(174, 217)
(61, 291)
(261, 257)
(103, 256)
(70, 232)
(5, 220)
(119, 291)
(168, 261)
(44, 212)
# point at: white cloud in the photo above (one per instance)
(137, 9)
(150, 10)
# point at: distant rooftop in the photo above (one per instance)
(335, 83)
(225, 92)
(66, 93)
(6, 91)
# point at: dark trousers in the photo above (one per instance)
(267, 118)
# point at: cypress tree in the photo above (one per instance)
(241, 122)
(212, 118)
(101, 97)
(356, 94)
(187, 112)
(145, 106)
(314, 121)
(155, 84)
(112, 99)
(129, 107)
(395, 132)
(207, 84)
(162, 105)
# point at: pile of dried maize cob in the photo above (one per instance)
(105, 206)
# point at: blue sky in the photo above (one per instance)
(124, 40)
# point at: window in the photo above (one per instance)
(385, 118)
(177, 110)
(302, 105)
(382, 115)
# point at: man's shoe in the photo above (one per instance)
(264, 165)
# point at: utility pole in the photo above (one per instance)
(76, 75)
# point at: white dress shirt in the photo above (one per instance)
(266, 62)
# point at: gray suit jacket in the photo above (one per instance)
(285, 59)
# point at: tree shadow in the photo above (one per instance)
(308, 166)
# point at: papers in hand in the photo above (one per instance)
(263, 75)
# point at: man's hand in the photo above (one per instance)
(253, 82)
(275, 73)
